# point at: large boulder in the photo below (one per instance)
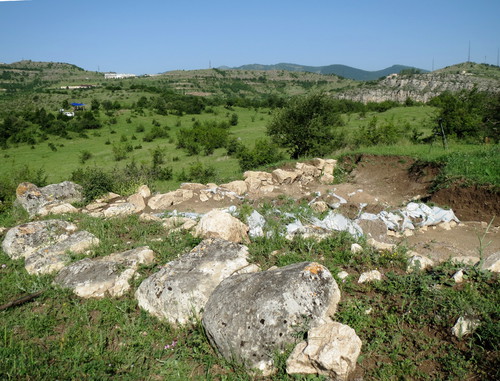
(23, 240)
(33, 198)
(331, 350)
(45, 244)
(182, 287)
(250, 317)
(219, 224)
(106, 276)
(54, 257)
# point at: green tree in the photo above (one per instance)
(461, 113)
(95, 104)
(306, 126)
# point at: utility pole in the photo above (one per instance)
(498, 55)
(468, 57)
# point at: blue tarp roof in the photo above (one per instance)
(77, 104)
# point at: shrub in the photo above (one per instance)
(156, 132)
(305, 126)
(94, 181)
(199, 173)
(263, 153)
(119, 152)
(206, 136)
(84, 156)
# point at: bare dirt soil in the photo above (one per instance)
(389, 182)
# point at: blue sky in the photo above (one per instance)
(153, 36)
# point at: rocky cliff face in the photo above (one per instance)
(418, 87)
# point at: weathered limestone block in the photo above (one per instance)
(281, 176)
(318, 163)
(331, 350)
(250, 317)
(45, 244)
(239, 187)
(144, 191)
(106, 276)
(119, 210)
(205, 195)
(356, 248)
(56, 208)
(32, 198)
(23, 240)
(163, 201)
(380, 246)
(255, 180)
(193, 186)
(108, 197)
(178, 223)
(137, 200)
(308, 170)
(181, 288)
(320, 206)
(326, 179)
(329, 167)
(149, 217)
(66, 191)
(96, 206)
(370, 276)
(492, 263)
(264, 177)
(419, 262)
(218, 224)
(53, 258)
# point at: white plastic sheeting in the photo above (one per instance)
(338, 222)
(412, 216)
(256, 223)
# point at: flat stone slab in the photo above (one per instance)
(106, 276)
(45, 244)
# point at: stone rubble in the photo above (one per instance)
(271, 305)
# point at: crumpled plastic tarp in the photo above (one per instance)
(411, 216)
(256, 224)
(338, 222)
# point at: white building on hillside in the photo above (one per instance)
(118, 76)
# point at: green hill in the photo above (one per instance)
(339, 70)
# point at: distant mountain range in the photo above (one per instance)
(340, 70)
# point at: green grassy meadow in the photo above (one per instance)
(60, 163)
